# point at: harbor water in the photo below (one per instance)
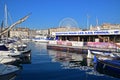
(45, 64)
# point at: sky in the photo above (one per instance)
(47, 14)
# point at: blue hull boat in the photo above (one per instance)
(109, 67)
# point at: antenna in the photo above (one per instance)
(88, 21)
(98, 28)
(96, 21)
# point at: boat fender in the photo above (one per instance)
(95, 59)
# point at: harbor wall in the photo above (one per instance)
(81, 44)
(74, 46)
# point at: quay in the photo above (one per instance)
(81, 41)
(77, 49)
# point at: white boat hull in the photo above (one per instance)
(39, 40)
(8, 71)
(7, 60)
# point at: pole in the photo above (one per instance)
(88, 21)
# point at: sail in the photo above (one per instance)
(14, 24)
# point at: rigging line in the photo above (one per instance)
(7, 15)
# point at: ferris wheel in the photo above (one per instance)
(68, 23)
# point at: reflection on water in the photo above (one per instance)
(26, 60)
(47, 64)
(13, 75)
(23, 60)
(73, 61)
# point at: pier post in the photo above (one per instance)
(78, 38)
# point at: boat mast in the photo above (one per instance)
(6, 20)
(14, 24)
(6, 24)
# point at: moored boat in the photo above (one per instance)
(4, 51)
(8, 71)
(7, 60)
(109, 67)
(103, 55)
(41, 39)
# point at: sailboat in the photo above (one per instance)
(8, 71)
(4, 51)
(8, 29)
(14, 24)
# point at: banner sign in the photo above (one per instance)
(100, 32)
(101, 45)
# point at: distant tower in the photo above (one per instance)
(96, 21)
(98, 28)
(91, 26)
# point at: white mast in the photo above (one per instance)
(6, 24)
(6, 20)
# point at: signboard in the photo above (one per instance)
(101, 45)
(100, 32)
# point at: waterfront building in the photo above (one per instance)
(110, 26)
(19, 32)
(90, 36)
(62, 29)
(42, 32)
(98, 38)
(106, 26)
(32, 33)
(105, 33)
